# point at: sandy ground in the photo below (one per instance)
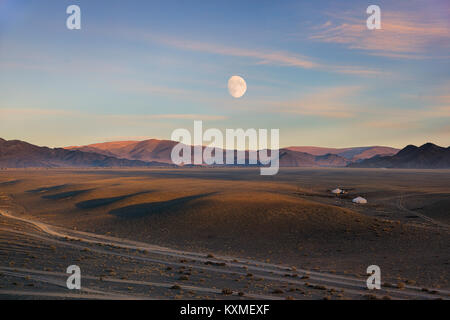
(223, 233)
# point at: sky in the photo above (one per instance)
(141, 69)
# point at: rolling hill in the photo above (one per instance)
(352, 154)
(427, 156)
(153, 152)
(20, 154)
(147, 150)
(159, 150)
(290, 158)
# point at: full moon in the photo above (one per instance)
(237, 86)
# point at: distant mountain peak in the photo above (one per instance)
(20, 154)
(351, 153)
(150, 152)
(427, 156)
(429, 145)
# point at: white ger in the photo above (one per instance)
(359, 200)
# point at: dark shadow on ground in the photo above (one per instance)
(65, 195)
(47, 189)
(9, 183)
(95, 203)
(147, 209)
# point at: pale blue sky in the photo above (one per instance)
(140, 69)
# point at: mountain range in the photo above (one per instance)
(147, 150)
(153, 152)
(159, 150)
(427, 156)
(20, 154)
(352, 154)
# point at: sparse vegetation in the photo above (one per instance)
(227, 291)
(277, 291)
(219, 264)
(289, 221)
(320, 287)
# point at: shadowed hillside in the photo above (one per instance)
(351, 154)
(159, 150)
(427, 156)
(20, 154)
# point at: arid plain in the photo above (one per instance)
(224, 233)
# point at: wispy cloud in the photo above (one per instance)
(122, 138)
(443, 130)
(33, 112)
(406, 119)
(164, 116)
(260, 56)
(403, 34)
(347, 102)
(133, 86)
(390, 124)
(38, 112)
(332, 102)
(444, 99)
(42, 63)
